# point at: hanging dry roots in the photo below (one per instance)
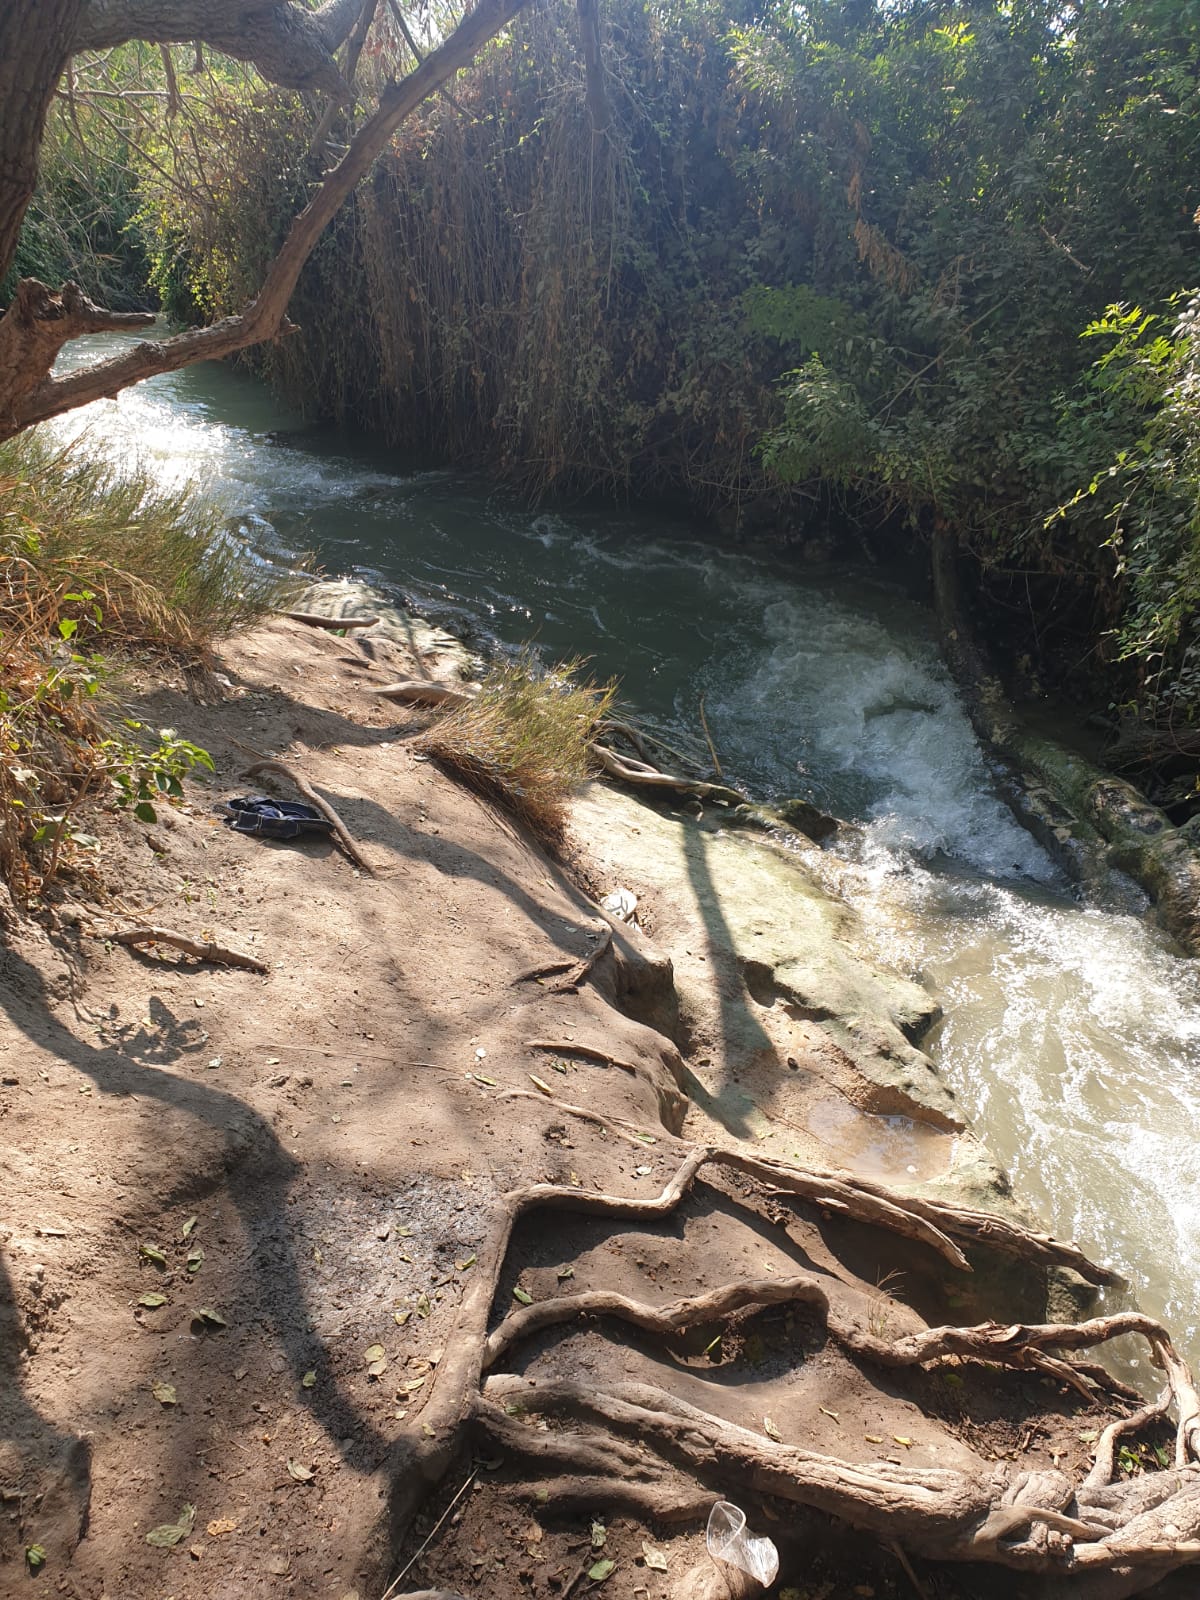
(634, 1446)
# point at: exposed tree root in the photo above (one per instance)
(672, 1102)
(568, 975)
(635, 1446)
(571, 1047)
(340, 831)
(333, 624)
(202, 949)
(427, 692)
(983, 1227)
(641, 775)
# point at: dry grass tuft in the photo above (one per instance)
(524, 741)
(95, 563)
(161, 567)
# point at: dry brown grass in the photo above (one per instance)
(524, 741)
(95, 564)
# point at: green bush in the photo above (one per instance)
(96, 565)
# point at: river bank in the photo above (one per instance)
(1071, 1029)
(245, 1209)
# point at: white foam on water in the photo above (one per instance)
(1071, 1034)
(836, 693)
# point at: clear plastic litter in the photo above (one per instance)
(729, 1540)
(622, 904)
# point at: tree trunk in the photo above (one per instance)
(1090, 821)
(34, 49)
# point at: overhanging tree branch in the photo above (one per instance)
(29, 394)
(289, 45)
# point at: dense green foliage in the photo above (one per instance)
(828, 266)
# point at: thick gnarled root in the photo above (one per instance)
(635, 1447)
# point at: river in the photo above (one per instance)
(1072, 1030)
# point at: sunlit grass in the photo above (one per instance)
(524, 741)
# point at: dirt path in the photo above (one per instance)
(242, 1212)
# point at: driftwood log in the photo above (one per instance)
(1089, 820)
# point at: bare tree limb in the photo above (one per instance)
(39, 395)
(289, 45)
(202, 949)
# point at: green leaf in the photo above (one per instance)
(209, 1317)
(149, 1253)
(35, 1555)
(145, 812)
(374, 1352)
(164, 1393)
(68, 628)
(302, 1474)
(599, 1570)
(309, 1380)
(599, 1535)
(188, 1228)
(195, 1259)
(152, 1301)
(169, 1534)
(523, 1295)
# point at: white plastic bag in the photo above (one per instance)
(729, 1540)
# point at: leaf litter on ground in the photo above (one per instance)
(168, 1534)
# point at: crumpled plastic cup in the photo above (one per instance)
(729, 1540)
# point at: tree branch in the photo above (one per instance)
(289, 45)
(37, 396)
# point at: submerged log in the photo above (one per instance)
(1089, 820)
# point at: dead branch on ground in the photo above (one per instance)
(202, 949)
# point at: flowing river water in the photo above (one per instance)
(1071, 1031)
